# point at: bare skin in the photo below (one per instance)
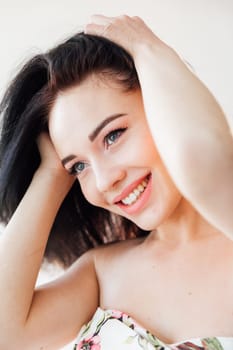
(180, 281)
(204, 126)
(184, 267)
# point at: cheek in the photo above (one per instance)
(90, 192)
(144, 146)
(139, 151)
(146, 153)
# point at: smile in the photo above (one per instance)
(135, 194)
(135, 197)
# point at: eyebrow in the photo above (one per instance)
(105, 122)
(67, 159)
(94, 134)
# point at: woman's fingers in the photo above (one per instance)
(119, 29)
(101, 19)
(98, 25)
(48, 154)
(45, 146)
(128, 32)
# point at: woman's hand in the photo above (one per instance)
(129, 32)
(49, 157)
(50, 162)
(21, 252)
(188, 125)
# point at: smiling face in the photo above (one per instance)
(101, 135)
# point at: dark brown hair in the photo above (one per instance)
(78, 225)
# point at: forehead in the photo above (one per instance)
(83, 103)
(88, 99)
(80, 108)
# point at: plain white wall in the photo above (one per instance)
(200, 30)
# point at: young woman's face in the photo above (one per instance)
(102, 137)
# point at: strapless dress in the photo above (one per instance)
(115, 330)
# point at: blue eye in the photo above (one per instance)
(77, 168)
(113, 136)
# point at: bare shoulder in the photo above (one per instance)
(116, 248)
(112, 255)
(72, 298)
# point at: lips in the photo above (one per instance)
(135, 207)
(129, 190)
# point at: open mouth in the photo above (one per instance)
(138, 197)
(136, 193)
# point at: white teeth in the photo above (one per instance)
(126, 201)
(140, 188)
(136, 192)
(133, 196)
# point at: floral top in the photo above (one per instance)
(115, 330)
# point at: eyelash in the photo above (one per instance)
(118, 132)
(73, 170)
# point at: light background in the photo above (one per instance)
(200, 30)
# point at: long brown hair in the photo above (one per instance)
(78, 225)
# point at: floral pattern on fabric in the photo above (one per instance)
(115, 330)
(92, 343)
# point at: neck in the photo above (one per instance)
(184, 225)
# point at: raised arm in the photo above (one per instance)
(51, 316)
(188, 125)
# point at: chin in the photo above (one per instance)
(149, 223)
(147, 226)
(151, 220)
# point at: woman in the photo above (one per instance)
(150, 145)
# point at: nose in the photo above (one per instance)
(107, 177)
